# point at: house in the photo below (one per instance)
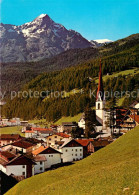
(24, 146)
(42, 131)
(52, 156)
(52, 139)
(19, 165)
(88, 147)
(100, 143)
(29, 133)
(71, 150)
(39, 167)
(6, 122)
(81, 122)
(67, 127)
(24, 123)
(129, 122)
(9, 138)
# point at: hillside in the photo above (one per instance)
(111, 170)
(119, 55)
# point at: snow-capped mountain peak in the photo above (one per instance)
(38, 39)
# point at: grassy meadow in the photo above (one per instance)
(69, 119)
(11, 130)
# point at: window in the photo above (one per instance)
(66, 150)
(72, 149)
(55, 136)
(51, 155)
(40, 168)
(41, 163)
(23, 166)
(80, 149)
(98, 106)
(50, 139)
(73, 159)
(80, 154)
(76, 150)
(75, 154)
(23, 173)
(72, 154)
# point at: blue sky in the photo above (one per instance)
(94, 19)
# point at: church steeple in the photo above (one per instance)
(100, 100)
(100, 91)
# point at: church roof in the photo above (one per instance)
(100, 90)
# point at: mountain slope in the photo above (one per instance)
(36, 40)
(112, 170)
(124, 52)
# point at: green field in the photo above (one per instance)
(11, 130)
(113, 170)
(68, 119)
(41, 122)
(125, 72)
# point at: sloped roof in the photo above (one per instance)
(28, 131)
(39, 150)
(22, 144)
(100, 143)
(67, 142)
(39, 158)
(64, 135)
(7, 155)
(135, 117)
(3, 161)
(10, 136)
(83, 142)
(41, 129)
(20, 160)
(44, 150)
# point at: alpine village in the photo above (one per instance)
(79, 129)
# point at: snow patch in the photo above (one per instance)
(103, 40)
(42, 16)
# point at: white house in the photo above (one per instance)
(81, 122)
(71, 151)
(20, 165)
(39, 167)
(29, 133)
(52, 155)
